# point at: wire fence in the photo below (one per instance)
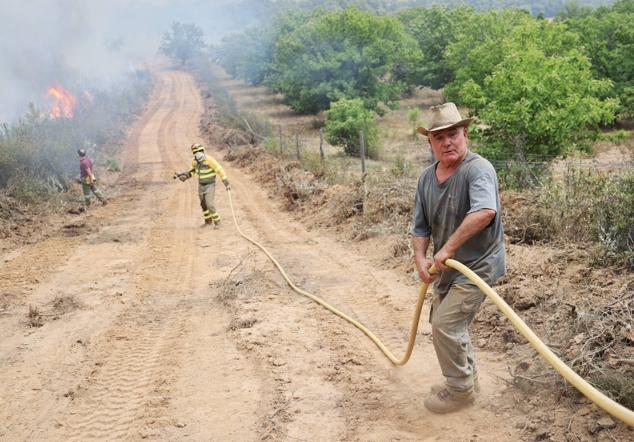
(513, 171)
(280, 143)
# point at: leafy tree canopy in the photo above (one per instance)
(340, 55)
(434, 29)
(249, 55)
(246, 55)
(538, 101)
(182, 42)
(477, 46)
(608, 36)
(344, 120)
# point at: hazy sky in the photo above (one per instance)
(44, 42)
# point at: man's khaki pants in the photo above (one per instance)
(450, 319)
(206, 194)
(89, 189)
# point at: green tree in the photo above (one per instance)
(344, 120)
(434, 29)
(608, 36)
(413, 116)
(248, 55)
(182, 42)
(574, 10)
(345, 54)
(536, 104)
(477, 46)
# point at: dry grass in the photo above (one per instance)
(239, 324)
(582, 206)
(396, 139)
(65, 304)
(34, 318)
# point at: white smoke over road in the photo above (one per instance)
(78, 43)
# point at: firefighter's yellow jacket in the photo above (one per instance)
(207, 169)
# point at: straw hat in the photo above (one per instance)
(445, 116)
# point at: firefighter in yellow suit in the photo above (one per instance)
(207, 168)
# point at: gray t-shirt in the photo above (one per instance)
(439, 209)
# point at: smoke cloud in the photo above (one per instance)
(82, 44)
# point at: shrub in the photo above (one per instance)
(538, 104)
(588, 206)
(320, 167)
(412, 116)
(345, 119)
(400, 166)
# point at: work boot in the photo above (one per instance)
(434, 389)
(216, 222)
(447, 401)
(104, 202)
(208, 222)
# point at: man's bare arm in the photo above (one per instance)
(420, 244)
(472, 224)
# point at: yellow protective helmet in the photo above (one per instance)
(197, 147)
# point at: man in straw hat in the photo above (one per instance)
(458, 206)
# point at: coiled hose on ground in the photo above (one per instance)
(618, 411)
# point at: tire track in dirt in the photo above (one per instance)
(18, 276)
(146, 392)
(131, 149)
(206, 407)
(121, 391)
(22, 354)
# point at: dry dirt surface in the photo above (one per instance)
(137, 323)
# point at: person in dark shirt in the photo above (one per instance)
(457, 205)
(88, 180)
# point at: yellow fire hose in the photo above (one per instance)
(618, 411)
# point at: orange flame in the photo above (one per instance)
(64, 102)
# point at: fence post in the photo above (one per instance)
(362, 152)
(321, 143)
(364, 171)
(299, 156)
(279, 132)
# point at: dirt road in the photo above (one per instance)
(155, 328)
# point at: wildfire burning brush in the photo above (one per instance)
(64, 103)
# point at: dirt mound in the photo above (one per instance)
(235, 137)
(582, 312)
(342, 202)
(24, 223)
(288, 179)
(517, 225)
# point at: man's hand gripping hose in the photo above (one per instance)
(618, 411)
